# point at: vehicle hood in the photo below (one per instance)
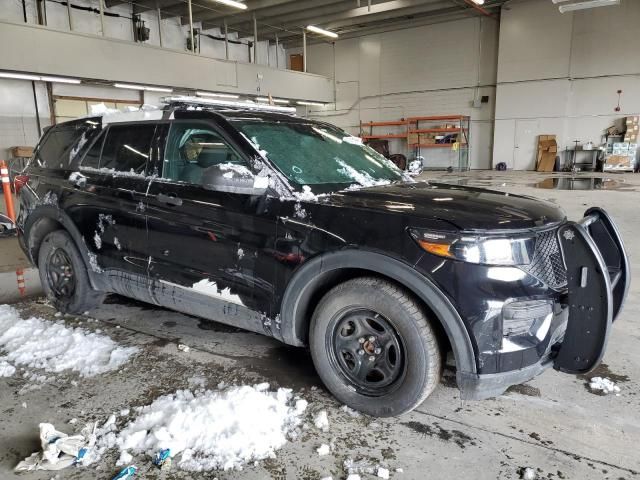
(465, 208)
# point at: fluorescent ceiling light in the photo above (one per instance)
(19, 76)
(322, 31)
(38, 78)
(478, 2)
(275, 100)
(131, 86)
(231, 3)
(219, 95)
(159, 89)
(60, 80)
(311, 104)
(588, 4)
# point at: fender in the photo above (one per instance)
(52, 212)
(301, 287)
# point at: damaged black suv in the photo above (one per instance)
(251, 216)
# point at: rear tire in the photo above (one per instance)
(64, 276)
(374, 348)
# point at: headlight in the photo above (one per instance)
(486, 249)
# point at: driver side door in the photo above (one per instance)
(210, 248)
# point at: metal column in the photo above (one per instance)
(304, 50)
(69, 14)
(277, 48)
(255, 39)
(159, 23)
(226, 39)
(102, 16)
(193, 45)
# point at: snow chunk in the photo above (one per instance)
(232, 168)
(307, 194)
(604, 385)
(362, 178)
(382, 472)
(39, 343)
(207, 287)
(323, 449)
(321, 421)
(350, 411)
(353, 476)
(125, 458)
(528, 474)
(214, 429)
(6, 369)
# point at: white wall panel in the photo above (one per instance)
(38, 49)
(429, 70)
(588, 51)
(535, 41)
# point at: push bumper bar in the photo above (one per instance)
(597, 282)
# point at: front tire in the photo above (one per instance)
(374, 348)
(64, 276)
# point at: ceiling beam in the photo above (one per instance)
(276, 11)
(357, 16)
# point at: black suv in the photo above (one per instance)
(292, 228)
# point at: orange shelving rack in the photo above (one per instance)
(416, 127)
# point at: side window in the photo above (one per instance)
(197, 154)
(62, 144)
(127, 147)
(92, 158)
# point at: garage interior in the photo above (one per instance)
(528, 97)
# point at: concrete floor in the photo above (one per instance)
(553, 424)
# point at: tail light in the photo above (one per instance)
(20, 181)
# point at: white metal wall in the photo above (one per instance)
(559, 74)
(431, 70)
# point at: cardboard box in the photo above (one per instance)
(22, 152)
(547, 150)
(619, 161)
(413, 138)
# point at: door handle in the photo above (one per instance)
(170, 199)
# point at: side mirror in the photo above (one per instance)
(234, 178)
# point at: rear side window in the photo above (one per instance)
(64, 143)
(126, 149)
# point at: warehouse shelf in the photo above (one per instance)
(421, 133)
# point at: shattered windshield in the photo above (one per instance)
(319, 155)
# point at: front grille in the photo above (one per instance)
(547, 264)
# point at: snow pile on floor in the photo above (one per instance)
(215, 429)
(604, 385)
(38, 343)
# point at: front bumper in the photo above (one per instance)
(597, 285)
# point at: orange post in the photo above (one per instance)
(6, 187)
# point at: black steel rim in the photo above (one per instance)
(367, 351)
(60, 275)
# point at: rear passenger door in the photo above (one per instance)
(109, 189)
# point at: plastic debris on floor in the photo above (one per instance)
(59, 450)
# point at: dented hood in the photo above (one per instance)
(465, 208)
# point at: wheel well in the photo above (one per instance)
(37, 233)
(326, 281)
